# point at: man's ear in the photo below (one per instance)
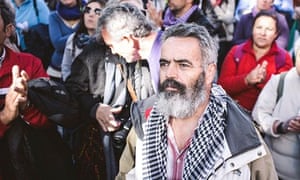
(211, 71)
(9, 30)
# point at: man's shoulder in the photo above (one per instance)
(140, 111)
(240, 130)
(20, 56)
(145, 104)
(197, 16)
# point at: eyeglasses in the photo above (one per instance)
(97, 11)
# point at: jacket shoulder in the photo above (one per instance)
(139, 113)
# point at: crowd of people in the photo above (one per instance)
(195, 89)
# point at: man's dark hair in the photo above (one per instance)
(196, 2)
(6, 14)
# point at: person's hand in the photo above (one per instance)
(16, 98)
(23, 26)
(291, 125)
(105, 116)
(154, 14)
(257, 75)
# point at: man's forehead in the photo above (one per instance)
(187, 46)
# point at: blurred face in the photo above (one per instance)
(91, 14)
(69, 3)
(179, 7)
(264, 4)
(264, 32)
(182, 78)
(126, 46)
(5, 32)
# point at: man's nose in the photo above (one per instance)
(172, 70)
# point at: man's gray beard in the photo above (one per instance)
(182, 105)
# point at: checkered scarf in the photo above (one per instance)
(205, 149)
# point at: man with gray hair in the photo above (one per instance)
(128, 33)
(192, 129)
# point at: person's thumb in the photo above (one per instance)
(15, 73)
(116, 110)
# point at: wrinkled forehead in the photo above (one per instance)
(181, 48)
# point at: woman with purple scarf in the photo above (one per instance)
(185, 11)
(62, 22)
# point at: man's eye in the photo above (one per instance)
(163, 64)
(184, 65)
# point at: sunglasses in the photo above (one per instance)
(97, 11)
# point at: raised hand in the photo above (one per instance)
(16, 98)
(258, 74)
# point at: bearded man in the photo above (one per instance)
(188, 131)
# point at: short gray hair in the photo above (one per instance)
(124, 19)
(208, 45)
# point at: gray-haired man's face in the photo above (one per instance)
(126, 46)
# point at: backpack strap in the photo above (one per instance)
(280, 86)
(238, 52)
(36, 10)
(280, 58)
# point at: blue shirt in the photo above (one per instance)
(59, 33)
(245, 6)
(26, 12)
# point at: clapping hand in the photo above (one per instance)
(16, 98)
(258, 74)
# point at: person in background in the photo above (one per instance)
(26, 17)
(188, 129)
(99, 87)
(285, 7)
(243, 7)
(184, 11)
(62, 23)
(244, 26)
(16, 162)
(51, 4)
(282, 6)
(248, 67)
(80, 38)
(224, 11)
(100, 81)
(140, 47)
(11, 42)
(279, 116)
(295, 32)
